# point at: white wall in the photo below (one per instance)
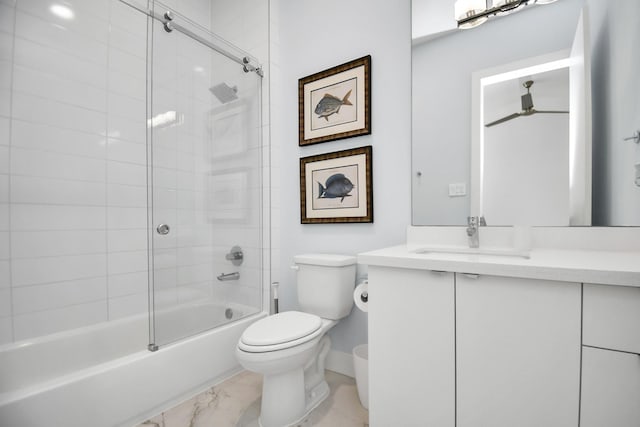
(442, 91)
(615, 38)
(310, 37)
(73, 190)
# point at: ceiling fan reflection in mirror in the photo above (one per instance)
(527, 107)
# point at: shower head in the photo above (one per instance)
(224, 92)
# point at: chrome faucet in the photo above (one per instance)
(229, 276)
(473, 222)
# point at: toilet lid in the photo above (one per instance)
(281, 328)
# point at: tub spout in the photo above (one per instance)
(229, 276)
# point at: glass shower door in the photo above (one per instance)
(205, 182)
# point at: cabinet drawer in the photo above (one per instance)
(610, 389)
(611, 317)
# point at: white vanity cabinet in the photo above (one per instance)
(411, 346)
(611, 357)
(502, 339)
(487, 350)
(518, 351)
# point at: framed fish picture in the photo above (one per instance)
(336, 187)
(335, 103)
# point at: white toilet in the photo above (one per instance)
(290, 348)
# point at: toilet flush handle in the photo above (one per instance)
(295, 267)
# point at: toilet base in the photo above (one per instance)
(302, 389)
(314, 398)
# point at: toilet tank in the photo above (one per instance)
(325, 284)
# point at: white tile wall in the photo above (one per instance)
(31, 189)
(4, 185)
(73, 177)
(25, 135)
(5, 274)
(28, 299)
(51, 243)
(32, 271)
(56, 217)
(4, 216)
(128, 284)
(53, 61)
(128, 305)
(5, 303)
(41, 83)
(7, 14)
(49, 321)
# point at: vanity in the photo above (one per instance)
(550, 337)
(522, 331)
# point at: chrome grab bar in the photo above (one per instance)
(229, 276)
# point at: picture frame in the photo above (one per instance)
(335, 103)
(337, 187)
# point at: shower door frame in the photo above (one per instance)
(248, 64)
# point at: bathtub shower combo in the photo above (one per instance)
(132, 201)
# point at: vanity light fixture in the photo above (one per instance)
(471, 13)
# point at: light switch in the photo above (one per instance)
(458, 189)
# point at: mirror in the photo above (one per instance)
(446, 181)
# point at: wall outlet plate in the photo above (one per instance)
(458, 189)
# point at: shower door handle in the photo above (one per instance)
(163, 229)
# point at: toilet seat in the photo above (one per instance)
(280, 331)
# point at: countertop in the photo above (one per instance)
(585, 266)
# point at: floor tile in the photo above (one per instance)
(236, 403)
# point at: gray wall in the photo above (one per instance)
(310, 36)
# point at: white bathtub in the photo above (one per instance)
(103, 375)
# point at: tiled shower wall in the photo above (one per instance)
(246, 24)
(73, 216)
(73, 153)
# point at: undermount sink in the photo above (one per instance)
(472, 251)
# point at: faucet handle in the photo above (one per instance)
(483, 222)
(472, 220)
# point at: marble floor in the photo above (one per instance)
(236, 403)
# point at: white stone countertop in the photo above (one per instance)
(568, 265)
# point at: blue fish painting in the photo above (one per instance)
(337, 186)
(330, 104)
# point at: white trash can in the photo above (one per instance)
(361, 365)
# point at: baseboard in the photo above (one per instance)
(340, 362)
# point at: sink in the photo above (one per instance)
(472, 251)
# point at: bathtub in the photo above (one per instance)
(103, 375)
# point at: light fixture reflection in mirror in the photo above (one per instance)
(468, 9)
(471, 13)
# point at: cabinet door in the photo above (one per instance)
(518, 352)
(610, 388)
(411, 348)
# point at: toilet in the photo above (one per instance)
(290, 348)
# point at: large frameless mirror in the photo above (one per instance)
(461, 167)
